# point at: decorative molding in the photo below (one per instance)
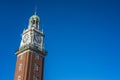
(32, 49)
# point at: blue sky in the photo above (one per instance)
(82, 37)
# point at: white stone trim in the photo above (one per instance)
(28, 51)
(23, 53)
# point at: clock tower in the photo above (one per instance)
(31, 53)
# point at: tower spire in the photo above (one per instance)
(35, 10)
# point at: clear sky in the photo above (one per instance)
(82, 37)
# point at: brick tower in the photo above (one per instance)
(31, 53)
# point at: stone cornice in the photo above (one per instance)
(32, 48)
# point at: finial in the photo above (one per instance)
(35, 10)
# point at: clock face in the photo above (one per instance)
(25, 38)
(37, 38)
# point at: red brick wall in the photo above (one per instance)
(28, 62)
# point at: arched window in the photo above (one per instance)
(35, 78)
(20, 66)
(33, 22)
(36, 67)
(19, 77)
